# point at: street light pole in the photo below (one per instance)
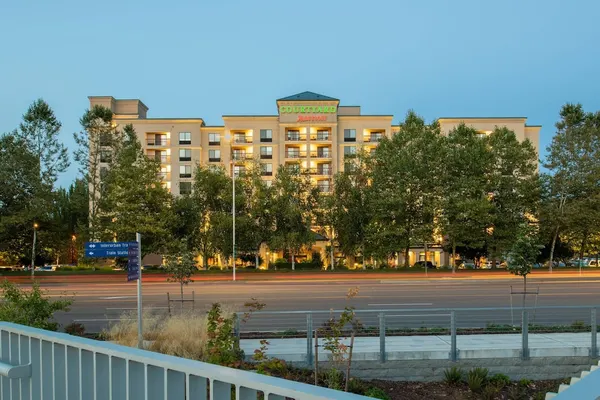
(229, 137)
(35, 226)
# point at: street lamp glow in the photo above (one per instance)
(229, 138)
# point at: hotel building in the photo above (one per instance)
(308, 129)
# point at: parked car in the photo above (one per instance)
(421, 264)
(465, 264)
(46, 268)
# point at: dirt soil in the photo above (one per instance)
(440, 390)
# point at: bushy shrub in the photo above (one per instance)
(476, 378)
(30, 307)
(377, 393)
(525, 382)
(453, 376)
(499, 380)
(357, 386)
(75, 329)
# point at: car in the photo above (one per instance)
(465, 264)
(593, 264)
(421, 264)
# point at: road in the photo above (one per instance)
(98, 305)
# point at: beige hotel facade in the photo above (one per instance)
(308, 129)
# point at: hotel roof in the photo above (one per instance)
(307, 96)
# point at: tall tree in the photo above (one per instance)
(40, 130)
(406, 191)
(466, 208)
(96, 144)
(19, 186)
(294, 198)
(350, 206)
(513, 187)
(134, 199)
(573, 160)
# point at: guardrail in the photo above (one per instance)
(431, 321)
(37, 364)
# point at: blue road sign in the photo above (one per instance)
(107, 249)
(133, 262)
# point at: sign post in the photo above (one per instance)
(131, 250)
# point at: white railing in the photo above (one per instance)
(38, 364)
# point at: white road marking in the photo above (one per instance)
(419, 315)
(102, 319)
(117, 297)
(145, 308)
(401, 304)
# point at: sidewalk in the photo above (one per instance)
(437, 347)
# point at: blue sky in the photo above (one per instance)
(203, 58)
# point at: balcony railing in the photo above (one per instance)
(320, 137)
(295, 138)
(324, 188)
(39, 364)
(162, 142)
(320, 154)
(373, 138)
(242, 139)
(164, 176)
(163, 159)
(295, 154)
(319, 171)
(242, 156)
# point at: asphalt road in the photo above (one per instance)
(415, 303)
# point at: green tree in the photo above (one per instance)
(134, 199)
(406, 190)
(523, 254)
(40, 130)
(294, 198)
(97, 142)
(466, 208)
(350, 206)
(20, 185)
(572, 192)
(180, 268)
(30, 307)
(513, 187)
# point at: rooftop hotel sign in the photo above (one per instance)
(324, 111)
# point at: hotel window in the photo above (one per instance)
(266, 169)
(266, 152)
(349, 150)
(322, 135)
(214, 139)
(293, 135)
(185, 155)
(349, 135)
(104, 156)
(185, 138)
(185, 171)
(266, 135)
(185, 187)
(214, 155)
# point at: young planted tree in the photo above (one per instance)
(133, 198)
(180, 267)
(465, 207)
(523, 254)
(294, 198)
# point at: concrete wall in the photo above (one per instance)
(539, 368)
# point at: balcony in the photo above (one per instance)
(324, 188)
(242, 139)
(158, 142)
(165, 176)
(44, 364)
(320, 136)
(162, 158)
(295, 154)
(319, 171)
(295, 137)
(320, 154)
(373, 138)
(242, 156)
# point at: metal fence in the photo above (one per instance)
(37, 364)
(386, 323)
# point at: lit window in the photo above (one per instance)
(185, 138)
(214, 155)
(214, 138)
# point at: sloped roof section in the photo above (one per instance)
(307, 96)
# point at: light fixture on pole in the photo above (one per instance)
(229, 137)
(35, 226)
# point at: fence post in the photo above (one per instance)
(309, 338)
(382, 337)
(525, 336)
(453, 350)
(594, 327)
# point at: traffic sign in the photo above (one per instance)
(133, 262)
(107, 249)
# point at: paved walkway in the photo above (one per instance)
(438, 347)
